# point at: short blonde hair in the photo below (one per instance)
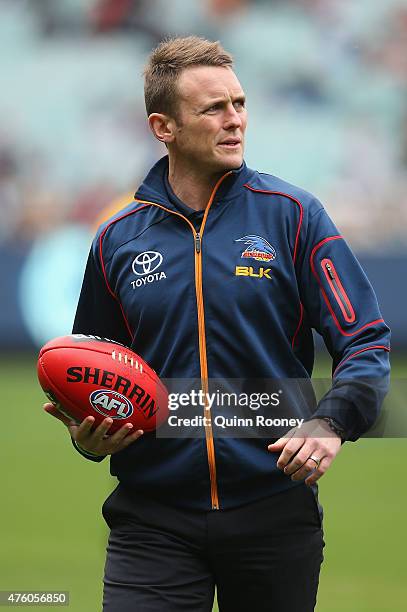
(168, 60)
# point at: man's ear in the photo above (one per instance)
(163, 127)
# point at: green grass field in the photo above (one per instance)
(53, 536)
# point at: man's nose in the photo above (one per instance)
(233, 118)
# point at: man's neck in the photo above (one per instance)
(192, 188)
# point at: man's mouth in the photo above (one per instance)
(230, 143)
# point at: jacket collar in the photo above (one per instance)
(155, 187)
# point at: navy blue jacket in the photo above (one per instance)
(234, 292)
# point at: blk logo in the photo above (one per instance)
(147, 262)
(111, 404)
(249, 271)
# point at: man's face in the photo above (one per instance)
(211, 120)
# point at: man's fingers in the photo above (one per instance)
(305, 470)
(102, 429)
(296, 451)
(280, 444)
(288, 452)
(116, 438)
(84, 429)
(86, 435)
(320, 471)
(99, 441)
(301, 458)
(53, 411)
(96, 440)
(129, 438)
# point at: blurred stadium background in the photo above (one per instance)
(327, 99)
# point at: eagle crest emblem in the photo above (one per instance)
(257, 248)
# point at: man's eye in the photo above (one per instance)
(212, 109)
(239, 104)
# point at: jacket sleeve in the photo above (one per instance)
(98, 314)
(340, 305)
(90, 456)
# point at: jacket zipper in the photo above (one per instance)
(338, 290)
(198, 242)
(210, 446)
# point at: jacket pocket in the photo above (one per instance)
(338, 290)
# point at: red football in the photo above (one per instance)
(87, 375)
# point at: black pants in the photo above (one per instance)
(264, 556)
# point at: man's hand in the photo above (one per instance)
(313, 439)
(97, 441)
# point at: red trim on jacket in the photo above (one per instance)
(286, 195)
(368, 348)
(352, 317)
(102, 235)
(342, 331)
(299, 325)
(297, 237)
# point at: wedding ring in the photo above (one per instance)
(317, 461)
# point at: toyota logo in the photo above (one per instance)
(147, 262)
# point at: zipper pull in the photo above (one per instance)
(331, 274)
(198, 242)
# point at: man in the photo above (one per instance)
(247, 264)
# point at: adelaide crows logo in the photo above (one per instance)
(258, 248)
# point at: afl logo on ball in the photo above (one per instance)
(111, 404)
